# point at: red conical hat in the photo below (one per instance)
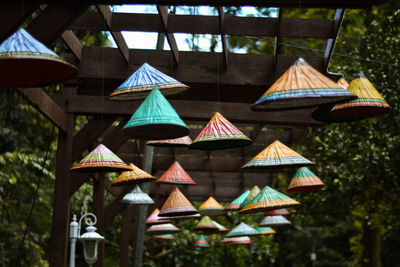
(211, 207)
(305, 180)
(175, 175)
(177, 204)
(276, 212)
(219, 133)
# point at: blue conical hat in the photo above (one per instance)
(142, 81)
(24, 61)
(155, 119)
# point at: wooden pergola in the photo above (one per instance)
(242, 79)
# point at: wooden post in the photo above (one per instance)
(142, 210)
(61, 201)
(98, 203)
(126, 232)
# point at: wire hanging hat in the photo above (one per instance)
(177, 204)
(301, 86)
(211, 207)
(155, 119)
(162, 229)
(165, 237)
(235, 204)
(202, 242)
(305, 180)
(176, 175)
(134, 176)
(143, 80)
(274, 221)
(266, 230)
(241, 240)
(177, 142)
(206, 225)
(242, 230)
(24, 61)
(276, 212)
(137, 196)
(250, 196)
(154, 219)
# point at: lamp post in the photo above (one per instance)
(90, 239)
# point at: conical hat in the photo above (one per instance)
(299, 87)
(142, 81)
(154, 219)
(236, 203)
(227, 239)
(101, 159)
(266, 230)
(211, 207)
(137, 196)
(135, 176)
(202, 242)
(24, 61)
(276, 212)
(183, 217)
(269, 199)
(162, 229)
(177, 142)
(323, 113)
(166, 236)
(155, 119)
(219, 133)
(242, 230)
(277, 156)
(305, 180)
(368, 104)
(206, 225)
(221, 228)
(249, 198)
(241, 240)
(177, 204)
(175, 175)
(274, 221)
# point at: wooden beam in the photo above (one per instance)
(13, 14)
(234, 112)
(46, 106)
(277, 40)
(191, 24)
(330, 46)
(107, 14)
(55, 18)
(194, 67)
(221, 18)
(73, 43)
(163, 13)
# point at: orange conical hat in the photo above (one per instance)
(305, 180)
(177, 204)
(211, 207)
(135, 176)
(277, 155)
(176, 175)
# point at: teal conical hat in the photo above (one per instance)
(236, 203)
(155, 119)
(274, 221)
(202, 242)
(269, 199)
(266, 230)
(250, 196)
(142, 81)
(305, 180)
(242, 230)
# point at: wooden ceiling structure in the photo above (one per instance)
(224, 82)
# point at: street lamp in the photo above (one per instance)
(90, 239)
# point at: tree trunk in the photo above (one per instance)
(372, 245)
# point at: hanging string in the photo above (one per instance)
(218, 82)
(28, 221)
(102, 82)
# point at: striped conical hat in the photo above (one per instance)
(183, 217)
(162, 229)
(236, 203)
(242, 230)
(166, 236)
(137, 196)
(299, 87)
(142, 81)
(175, 175)
(266, 230)
(241, 240)
(274, 221)
(305, 180)
(221, 228)
(155, 119)
(202, 242)
(277, 156)
(218, 134)
(135, 176)
(227, 239)
(24, 61)
(249, 198)
(269, 199)
(369, 103)
(154, 219)
(177, 142)
(177, 204)
(276, 212)
(211, 207)
(206, 225)
(101, 159)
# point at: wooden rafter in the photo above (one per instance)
(330, 46)
(164, 17)
(221, 18)
(73, 43)
(107, 14)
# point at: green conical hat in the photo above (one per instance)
(249, 198)
(202, 242)
(206, 225)
(242, 230)
(305, 180)
(236, 203)
(155, 119)
(269, 199)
